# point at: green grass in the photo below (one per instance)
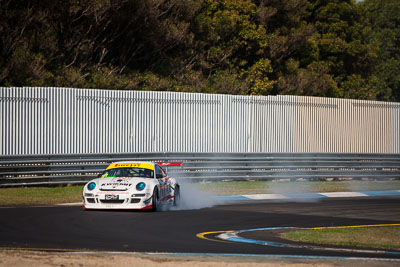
(371, 237)
(233, 188)
(40, 195)
(56, 195)
(261, 187)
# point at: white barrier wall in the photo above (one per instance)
(75, 121)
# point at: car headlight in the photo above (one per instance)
(140, 186)
(91, 186)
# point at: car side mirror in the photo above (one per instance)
(159, 176)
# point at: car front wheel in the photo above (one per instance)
(155, 200)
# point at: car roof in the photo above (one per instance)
(134, 162)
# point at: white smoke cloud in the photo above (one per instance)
(193, 198)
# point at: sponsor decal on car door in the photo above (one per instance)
(164, 181)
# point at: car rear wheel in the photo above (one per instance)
(177, 196)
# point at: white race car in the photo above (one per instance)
(131, 185)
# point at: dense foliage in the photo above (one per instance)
(384, 16)
(334, 48)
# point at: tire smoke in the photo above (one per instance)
(193, 198)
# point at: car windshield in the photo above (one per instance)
(128, 172)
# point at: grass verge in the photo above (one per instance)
(386, 237)
(57, 195)
(40, 195)
(282, 187)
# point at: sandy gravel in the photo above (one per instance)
(29, 258)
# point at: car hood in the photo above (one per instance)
(119, 183)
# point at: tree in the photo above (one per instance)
(384, 19)
(335, 53)
(230, 40)
(258, 47)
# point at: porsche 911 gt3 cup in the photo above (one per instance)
(131, 185)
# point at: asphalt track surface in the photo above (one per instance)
(71, 228)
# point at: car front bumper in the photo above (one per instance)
(91, 201)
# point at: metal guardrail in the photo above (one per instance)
(34, 170)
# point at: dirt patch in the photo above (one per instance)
(30, 258)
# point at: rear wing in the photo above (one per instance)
(167, 164)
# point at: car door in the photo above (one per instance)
(164, 187)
